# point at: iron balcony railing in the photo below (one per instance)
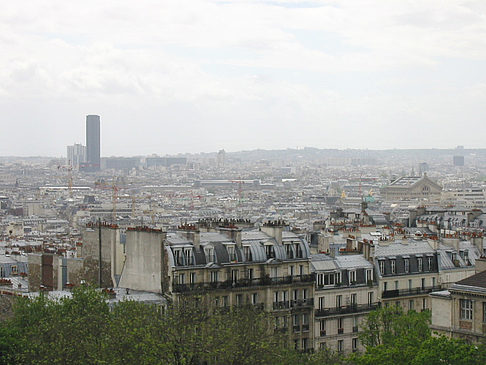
(408, 292)
(293, 303)
(352, 308)
(242, 283)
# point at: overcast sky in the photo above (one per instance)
(190, 76)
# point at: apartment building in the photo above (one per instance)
(345, 292)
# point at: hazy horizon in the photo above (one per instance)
(175, 77)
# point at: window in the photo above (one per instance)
(247, 252)
(410, 304)
(231, 252)
(214, 276)
(322, 345)
(354, 344)
(433, 282)
(429, 263)
(304, 294)
(295, 320)
(354, 299)
(424, 303)
(250, 274)
(340, 326)
(269, 250)
(239, 299)
(182, 278)
(466, 309)
(410, 284)
(338, 278)
(192, 277)
(305, 319)
(393, 266)
(484, 312)
(340, 345)
(322, 303)
(254, 298)
(295, 294)
(234, 276)
(275, 296)
(369, 275)
(304, 344)
(370, 298)
(189, 257)
(209, 251)
(301, 269)
(423, 283)
(298, 251)
(225, 301)
(420, 264)
(407, 265)
(292, 270)
(326, 279)
(274, 272)
(396, 284)
(339, 301)
(382, 267)
(385, 286)
(289, 251)
(322, 326)
(178, 257)
(352, 277)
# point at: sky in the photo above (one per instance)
(188, 76)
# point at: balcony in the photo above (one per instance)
(353, 308)
(243, 283)
(281, 305)
(305, 328)
(296, 328)
(340, 331)
(302, 303)
(323, 333)
(355, 329)
(408, 292)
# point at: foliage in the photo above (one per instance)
(84, 329)
(393, 337)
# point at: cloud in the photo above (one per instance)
(272, 71)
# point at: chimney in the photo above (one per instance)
(233, 234)
(195, 237)
(480, 265)
(274, 229)
(323, 242)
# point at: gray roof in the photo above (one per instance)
(412, 247)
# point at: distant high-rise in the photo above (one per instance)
(76, 155)
(93, 141)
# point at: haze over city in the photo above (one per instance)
(172, 77)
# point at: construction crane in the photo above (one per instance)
(69, 170)
(114, 197)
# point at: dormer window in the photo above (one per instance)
(189, 257)
(247, 252)
(298, 251)
(289, 251)
(393, 266)
(270, 251)
(382, 267)
(407, 265)
(178, 257)
(231, 252)
(420, 264)
(209, 251)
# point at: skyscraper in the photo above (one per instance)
(93, 141)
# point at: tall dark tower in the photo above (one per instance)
(93, 142)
